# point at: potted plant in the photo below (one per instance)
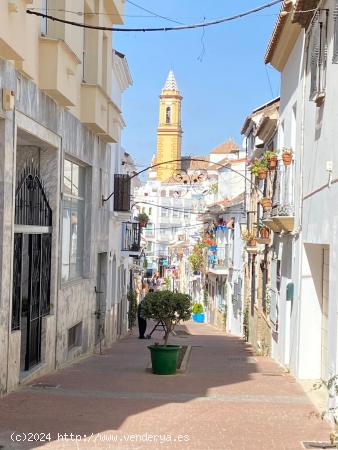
(266, 203)
(259, 168)
(197, 259)
(198, 313)
(287, 156)
(168, 308)
(271, 158)
(143, 219)
(247, 235)
(264, 233)
(252, 242)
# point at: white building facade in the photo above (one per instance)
(305, 52)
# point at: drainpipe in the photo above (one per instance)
(59, 250)
(12, 240)
(298, 232)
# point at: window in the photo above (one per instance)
(318, 55)
(73, 220)
(335, 34)
(75, 336)
(150, 211)
(168, 115)
(164, 212)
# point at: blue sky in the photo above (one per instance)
(220, 73)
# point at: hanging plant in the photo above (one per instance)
(259, 168)
(247, 235)
(271, 158)
(143, 219)
(287, 156)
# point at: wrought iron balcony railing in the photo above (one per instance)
(281, 215)
(131, 237)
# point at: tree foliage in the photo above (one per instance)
(168, 307)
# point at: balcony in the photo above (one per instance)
(284, 217)
(58, 67)
(94, 108)
(131, 238)
(281, 217)
(220, 263)
(115, 10)
(113, 125)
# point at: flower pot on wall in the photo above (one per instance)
(266, 203)
(264, 233)
(252, 243)
(272, 162)
(262, 173)
(287, 158)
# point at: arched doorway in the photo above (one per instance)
(31, 264)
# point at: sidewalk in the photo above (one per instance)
(228, 399)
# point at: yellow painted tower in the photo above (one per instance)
(169, 132)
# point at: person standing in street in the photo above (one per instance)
(142, 323)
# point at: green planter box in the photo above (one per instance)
(164, 358)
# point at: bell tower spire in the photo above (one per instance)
(169, 131)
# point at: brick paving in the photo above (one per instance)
(228, 399)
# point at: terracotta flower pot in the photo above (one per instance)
(272, 162)
(287, 158)
(252, 243)
(143, 224)
(266, 203)
(262, 173)
(264, 233)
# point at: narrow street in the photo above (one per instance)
(227, 399)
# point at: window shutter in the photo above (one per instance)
(121, 192)
(335, 35)
(315, 57)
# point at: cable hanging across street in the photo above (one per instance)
(177, 28)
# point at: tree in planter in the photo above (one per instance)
(166, 307)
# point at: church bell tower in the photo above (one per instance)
(169, 132)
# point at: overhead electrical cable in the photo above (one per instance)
(178, 28)
(154, 14)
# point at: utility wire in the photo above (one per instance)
(154, 14)
(81, 13)
(171, 208)
(178, 28)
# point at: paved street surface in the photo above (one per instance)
(228, 399)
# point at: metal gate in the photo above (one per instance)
(31, 263)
